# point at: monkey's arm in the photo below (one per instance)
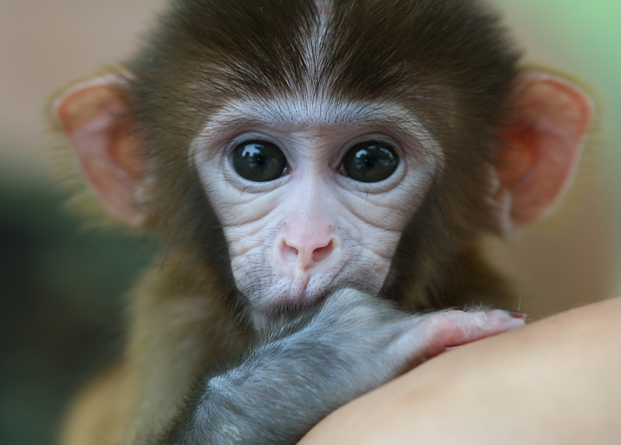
(306, 369)
(556, 381)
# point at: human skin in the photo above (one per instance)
(556, 381)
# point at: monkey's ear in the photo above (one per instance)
(540, 147)
(95, 117)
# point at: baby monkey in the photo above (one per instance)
(319, 174)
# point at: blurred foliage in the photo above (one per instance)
(61, 315)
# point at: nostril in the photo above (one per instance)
(290, 253)
(322, 253)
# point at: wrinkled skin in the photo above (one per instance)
(314, 229)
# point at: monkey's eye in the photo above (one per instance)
(370, 162)
(259, 161)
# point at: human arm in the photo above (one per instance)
(557, 381)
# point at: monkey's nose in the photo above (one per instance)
(307, 253)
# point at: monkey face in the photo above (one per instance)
(350, 140)
(312, 198)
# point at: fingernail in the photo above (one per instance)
(517, 314)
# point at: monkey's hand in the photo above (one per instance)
(306, 368)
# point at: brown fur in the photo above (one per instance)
(448, 62)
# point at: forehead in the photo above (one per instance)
(352, 49)
(319, 114)
(317, 111)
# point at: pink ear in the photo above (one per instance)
(542, 145)
(94, 116)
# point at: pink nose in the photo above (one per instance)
(307, 250)
(307, 254)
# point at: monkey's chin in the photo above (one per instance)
(261, 320)
(286, 298)
(280, 310)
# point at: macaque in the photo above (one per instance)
(320, 175)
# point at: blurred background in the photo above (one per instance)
(62, 287)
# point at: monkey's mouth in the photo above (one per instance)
(279, 310)
(285, 298)
(290, 294)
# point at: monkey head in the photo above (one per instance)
(331, 149)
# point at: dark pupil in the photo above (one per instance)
(370, 162)
(259, 161)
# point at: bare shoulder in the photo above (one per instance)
(554, 381)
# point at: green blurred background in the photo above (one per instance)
(62, 287)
